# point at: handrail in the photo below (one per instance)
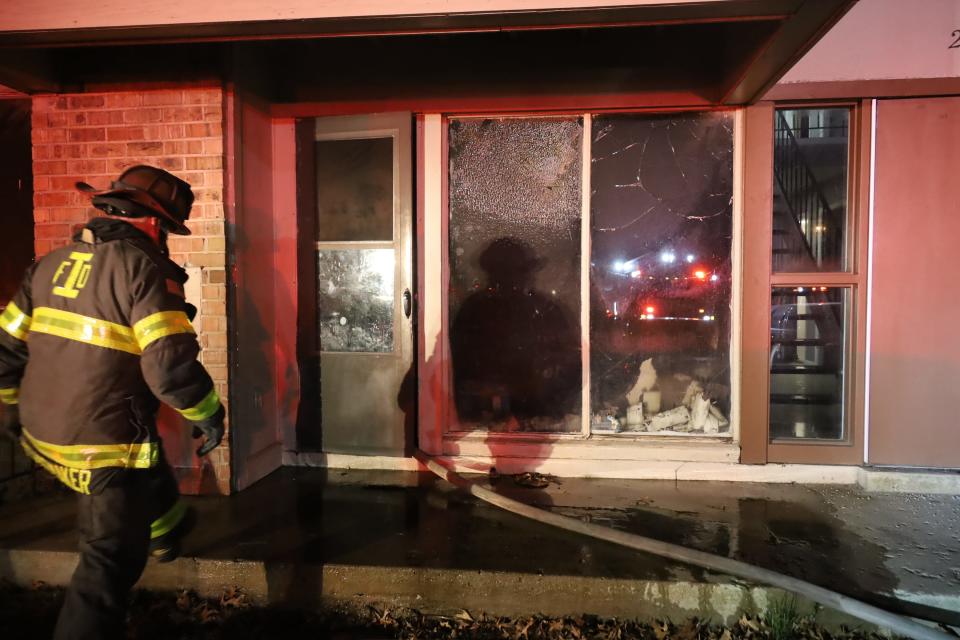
(803, 195)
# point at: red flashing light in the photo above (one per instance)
(650, 310)
(700, 274)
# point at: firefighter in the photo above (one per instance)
(95, 339)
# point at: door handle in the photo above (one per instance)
(407, 303)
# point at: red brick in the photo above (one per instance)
(71, 214)
(57, 119)
(126, 133)
(66, 150)
(162, 97)
(213, 146)
(51, 231)
(62, 183)
(183, 114)
(214, 357)
(52, 199)
(140, 116)
(104, 117)
(207, 259)
(204, 163)
(213, 178)
(86, 102)
(206, 130)
(107, 150)
(123, 100)
(49, 135)
(170, 163)
(53, 167)
(216, 340)
(203, 96)
(87, 166)
(97, 134)
(215, 276)
(208, 195)
(213, 114)
(145, 148)
(42, 247)
(211, 292)
(47, 102)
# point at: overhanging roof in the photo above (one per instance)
(745, 45)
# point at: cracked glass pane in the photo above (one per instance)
(355, 300)
(660, 273)
(515, 202)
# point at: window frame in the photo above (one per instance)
(458, 441)
(758, 243)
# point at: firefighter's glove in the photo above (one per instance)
(10, 421)
(211, 430)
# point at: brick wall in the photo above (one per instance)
(93, 137)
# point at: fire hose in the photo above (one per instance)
(896, 623)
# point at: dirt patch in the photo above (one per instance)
(31, 614)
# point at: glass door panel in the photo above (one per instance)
(363, 264)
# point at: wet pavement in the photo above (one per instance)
(884, 548)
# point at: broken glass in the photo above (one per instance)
(515, 203)
(355, 299)
(660, 273)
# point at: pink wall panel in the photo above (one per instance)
(915, 344)
(885, 39)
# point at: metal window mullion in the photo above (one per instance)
(585, 246)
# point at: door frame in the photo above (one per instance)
(398, 125)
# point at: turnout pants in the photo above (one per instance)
(115, 531)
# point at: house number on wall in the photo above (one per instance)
(956, 39)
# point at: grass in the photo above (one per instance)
(782, 618)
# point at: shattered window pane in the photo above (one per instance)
(807, 363)
(810, 189)
(515, 202)
(660, 273)
(355, 295)
(354, 189)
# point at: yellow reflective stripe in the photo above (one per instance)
(93, 331)
(166, 523)
(159, 325)
(15, 322)
(98, 456)
(10, 396)
(203, 409)
(76, 479)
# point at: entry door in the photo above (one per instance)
(364, 295)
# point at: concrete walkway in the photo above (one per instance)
(302, 536)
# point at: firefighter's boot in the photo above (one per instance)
(167, 532)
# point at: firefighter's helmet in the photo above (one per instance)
(143, 191)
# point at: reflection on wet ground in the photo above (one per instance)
(839, 537)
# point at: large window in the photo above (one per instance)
(514, 304)
(629, 338)
(810, 323)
